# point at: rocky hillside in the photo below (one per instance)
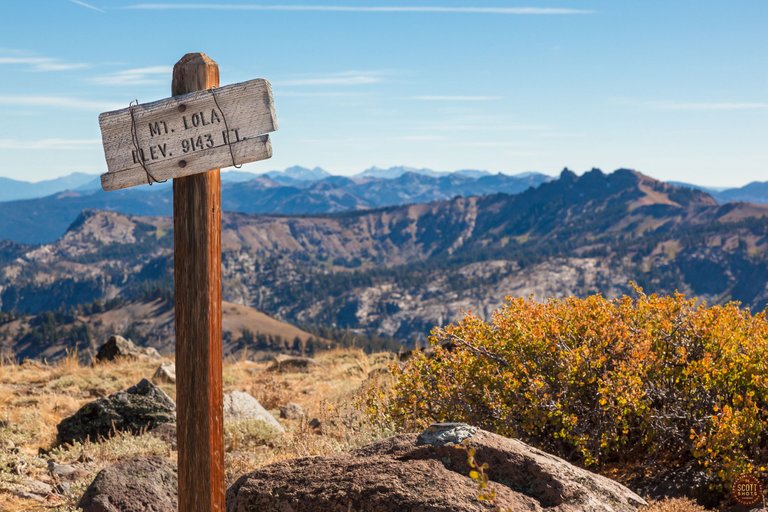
(150, 321)
(401, 270)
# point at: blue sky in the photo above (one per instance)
(677, 89)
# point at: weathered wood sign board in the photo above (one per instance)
(187, 134)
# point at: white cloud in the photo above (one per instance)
(87, 6)
(704, 106)
(700, 106)
(63, 102)
(151, 75)
(496, 144)
(368, 9)
(328, 94)
(487, 126)
(421, 138)
(41, 63)
(345, 78)
(456, 98)
(48, 144)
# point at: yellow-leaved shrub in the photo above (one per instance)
(601, 381)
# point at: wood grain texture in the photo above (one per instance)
(197, 280)
(258, 148)
(193, 128)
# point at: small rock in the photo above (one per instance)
(37, 487)
(315, 423)
(242, 406)
(287, 364)
(137, 409)
(18, 466)
(133, 485)
(442, 434)
(20, 493)
(291, 411)
(165, 373)
(8, 445)
(167, 433)
(61, 470)
(117, 347)
(149, 390)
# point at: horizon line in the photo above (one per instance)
(554, 175)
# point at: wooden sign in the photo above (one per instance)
(187, 138)
(187, 134)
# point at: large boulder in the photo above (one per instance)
(429, 473)
(141, 484)
(119, 347)
(136, 409)
(239, 406)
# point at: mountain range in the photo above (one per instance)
(294, 191)
(41, 212)
(401, 270)
(11, 190)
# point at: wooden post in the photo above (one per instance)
(197, 280)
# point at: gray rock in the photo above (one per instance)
(401, 473)
(61, 470)
(165, 373)
(441, 434)
(146, 388)
(242, 406)
(37, 487)
(21, 493)
(32, 490)
(137, 409)
(117, 347)
(291, 411)
(142, 484)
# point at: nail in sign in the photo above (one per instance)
(188, 134)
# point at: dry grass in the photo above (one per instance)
(674, 505)
(35, 397)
